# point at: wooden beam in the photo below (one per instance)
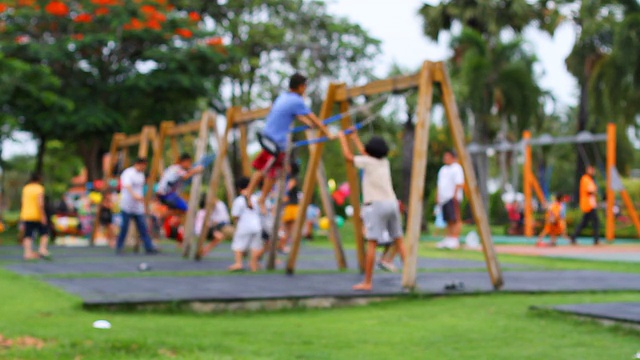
(475, 199)
(377, 87)
(354, 195)
(309, 183)
(631, 210)
(529, 222)
(329, 211)
(196, 184)
(610, 224)
(244, 157)
(189, 127)
(247, 116)
(214, 182)
(131, 140)
(158, 159)
(418, 174)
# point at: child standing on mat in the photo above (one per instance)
(381, 210)
(173, 179)
(273, 139)
(248, 235)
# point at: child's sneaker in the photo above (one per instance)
(386, 266)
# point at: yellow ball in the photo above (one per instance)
(324, 223)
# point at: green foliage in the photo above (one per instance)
(271, 39)
(60, 165)
(120, 64)
(497, 211)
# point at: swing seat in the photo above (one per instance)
(269, 145)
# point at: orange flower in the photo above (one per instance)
(101, 11)
(3, 7)
(194, 16)
(214, 41)
(148, 9)
(185, 33)
(105, 2)
(135, 24)
(26, 2)
(57, 8)
(77, 37)
(154, 25)
(83, 18)
(22, 39)
(158, 16)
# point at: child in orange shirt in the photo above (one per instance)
(555, 223)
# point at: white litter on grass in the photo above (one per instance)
(101, 324)
(637, 355)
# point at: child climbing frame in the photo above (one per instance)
(241, 119)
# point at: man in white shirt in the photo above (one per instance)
(132, 205)
(449, 197)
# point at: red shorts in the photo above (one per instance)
(269, 163)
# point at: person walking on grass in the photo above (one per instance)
(33, 216)
(588, 205)
(132, 205)
(381, 211)
(448, 197)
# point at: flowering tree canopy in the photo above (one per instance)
(121, 64)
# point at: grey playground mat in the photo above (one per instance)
(621, 256)
(136, 290)
(217, 262)
(617, 311)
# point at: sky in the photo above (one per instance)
(397, 24)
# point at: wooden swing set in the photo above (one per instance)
(432, 73)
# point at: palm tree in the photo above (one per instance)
(594, 22)
(481, 61)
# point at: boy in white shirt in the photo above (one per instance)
(220, 221)
(449, 197)
(172, 181)
(248, 236)
(381, 211)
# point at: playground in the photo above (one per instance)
(290, 180)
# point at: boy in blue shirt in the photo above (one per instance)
(273, 139)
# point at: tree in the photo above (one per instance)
(483, 71)
(616, 81)
(594, 22)
(121, 63)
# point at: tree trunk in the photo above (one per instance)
(481, 161)
(42, 148)
(583, 117)
(89, 151)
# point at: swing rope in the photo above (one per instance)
(362, 108)
(348, 131)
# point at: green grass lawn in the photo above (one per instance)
(478, 327)
(498, 326)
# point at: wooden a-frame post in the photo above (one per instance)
(475, 199)
(207, 120)
(220, 164)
